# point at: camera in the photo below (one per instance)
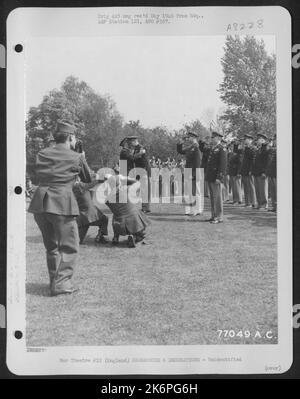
(79, 147)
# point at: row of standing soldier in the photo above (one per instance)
(237, 165)
(226, 166)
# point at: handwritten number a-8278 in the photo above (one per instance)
(241, 26)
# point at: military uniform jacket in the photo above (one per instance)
(141, 161)
(271, 167)
(127, 218)
(261, 161)
(205, 149)
(88, 211)
(234, 163)
(192, 156)
(57, 169)
(216, 164)
(127, 155)
(247, 161)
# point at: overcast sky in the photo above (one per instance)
(159, 80)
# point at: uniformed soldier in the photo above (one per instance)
(205, 149)
(271, 173)
(128, 152)
(215, 173)
(89, 215)
(141, 161)
(234, 168)
(259, 171)
(127, 218)
(190, 148)
(55, 207)
(135, 156)
(227, 188)
(248, 157)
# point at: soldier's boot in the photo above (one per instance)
(188, 210)
(115, 240)
(131, 241)
(100, 237)
(53, 259)
(82, 233)
(64, 288)
(139, 236)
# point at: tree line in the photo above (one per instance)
(248, 90)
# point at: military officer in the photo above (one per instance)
(55, 207)
(205, 149)
(271, 173)
(190, 148)
(259, 171)
(215, 173)
(234, 167)
(127, 218)
(227, 187)
(128, 152)
(248, 157)
(141, 161)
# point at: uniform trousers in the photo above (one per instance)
(226, 188)
(273, 191)
(83, 225)
(216, 200)
(236, 187)
(261, 188)
(249, 190)
(193, 195)
(61, 240)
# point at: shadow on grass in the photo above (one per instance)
(89, 242)
(37, 289)
(256, 217)
(34, 239)
(183, 218)
(164, 214)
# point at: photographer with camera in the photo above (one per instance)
(142, 161)
(55, 207)
(136, 157)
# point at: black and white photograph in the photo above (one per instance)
(151, 201)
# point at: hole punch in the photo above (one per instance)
(18, 334)
(18, 190)
(18, 48)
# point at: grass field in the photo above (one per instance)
(191, 281)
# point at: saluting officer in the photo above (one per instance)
(215, 173)
(55, 207)
(259, 171)
(190, 148)
(248, 158)
(271, 173)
